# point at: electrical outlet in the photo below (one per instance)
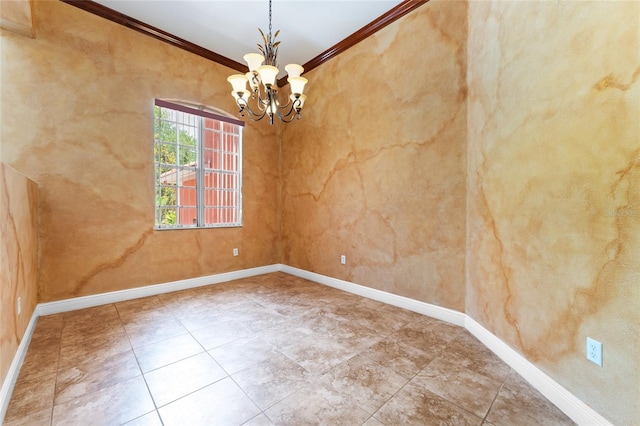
(19, 305)
(235, 251)
(343, 259)
(594, 351)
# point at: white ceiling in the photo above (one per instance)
(230, 28)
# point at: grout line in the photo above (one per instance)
(484, 419)
(153, 400)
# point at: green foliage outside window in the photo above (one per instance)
(173, 147)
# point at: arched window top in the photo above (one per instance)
(198, 109)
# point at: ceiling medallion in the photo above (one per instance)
(263, 83)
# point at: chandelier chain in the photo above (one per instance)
(269, 19)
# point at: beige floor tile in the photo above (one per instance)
(366, 384)
(48, 326)
(88, 316)
(519, 403)
(116, 404)
(289, 305)
(182, 378)
(93, 348)
(222, 403)
(289, 334)
(430, 338)
(368, 315)
(85, 323)
(303, 352)
(91, 376)
(241, 354)
(221, 333)
(316, 404)
(319, 342)
(415, 405)
(203, 320)
(38, 418)
(147, 318)
(272, 380)
(132, 306)
(30, 396)
(403, 359)
(149, 419)
(154, 333)
(73, 334)
(42, 358)
(318, 355)
(468, 389)
(175, 300)
(165, 352)
(259, 420)
(254, 316)
(467, 351)
(372, 421)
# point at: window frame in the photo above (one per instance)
(200, 170)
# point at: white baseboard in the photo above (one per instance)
(151, 290)
(444, 314)
(14, 369)
(573, 407)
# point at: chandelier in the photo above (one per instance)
(263, 84)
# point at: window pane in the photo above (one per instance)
(197, 169)
(166, 217)
(188, 216)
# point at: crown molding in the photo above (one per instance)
(371, 28)
(146, 29)
(151, 31)
(392, 15)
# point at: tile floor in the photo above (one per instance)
(272, 349)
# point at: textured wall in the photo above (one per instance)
(18, 260)
(554, 190)
(77, 110)
(376, 169)
(17, 16)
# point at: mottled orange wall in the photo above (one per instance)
(376, 168)
(553, 252)
(77, 111)
(18, 260)
(17, 16)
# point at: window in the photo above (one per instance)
(198, 168)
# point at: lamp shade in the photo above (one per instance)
(238, 82)
(268, 74)
(297, 84)
(293, 70)
(254, 60)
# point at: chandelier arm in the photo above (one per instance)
(285, 105)
(244, 106)
(292, 113)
